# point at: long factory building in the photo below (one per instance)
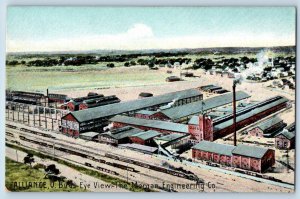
(183, 113)
(213, 128)
(222, 126)
(94, 119)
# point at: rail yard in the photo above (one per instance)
(178, 137)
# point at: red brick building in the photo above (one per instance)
(212, 129)
(246, 157)
(267, 128)
(253, 158)
(94, 119)
(210, 151)
(151, 115)
(286, 138)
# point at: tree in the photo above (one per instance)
(28, 159)
(110, 65)
(51, 171)
(126, 64)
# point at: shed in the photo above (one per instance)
(144, 137)
(140, 148)
(118, 136)
(89, 136)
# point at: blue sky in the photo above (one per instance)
(133, 28)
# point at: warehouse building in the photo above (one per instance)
(151, 115)
(118, 136)
(286, 138)
(185, 112)
(144, 124)
(268, 128)
(27, 97)
(94, 119)
(57, 98)
(222, 126)
(246, 157)
(102, 101)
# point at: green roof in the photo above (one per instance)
(171, 137)
(213, 147)
(121, 133)
(156, 124)
(249, 111)
(146, 135)
(249, 151)
(288, 134)
(124, 107)
(207, 104)
(146, 112)
(89, 134)
(269, 123)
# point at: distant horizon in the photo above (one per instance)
(141, 50)
(35, 29)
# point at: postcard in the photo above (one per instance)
(150, 99)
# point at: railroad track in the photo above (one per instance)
(99, 158)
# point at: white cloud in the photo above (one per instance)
(140, 31)
(141, 36)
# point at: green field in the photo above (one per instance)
(18, 172)
(87, 77)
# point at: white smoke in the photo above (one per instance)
(108, 127)
(258, 67)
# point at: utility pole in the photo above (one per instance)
(17, 155)
(287, 160)
(234, 113)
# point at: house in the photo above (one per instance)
(268, 128)
(286, 138)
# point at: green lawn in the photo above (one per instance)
(18, 172)
(39, 79)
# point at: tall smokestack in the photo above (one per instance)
(47, 92)
(234, 114)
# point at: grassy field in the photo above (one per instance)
(39, 79)
(18, 172)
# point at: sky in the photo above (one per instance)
(38, 29)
